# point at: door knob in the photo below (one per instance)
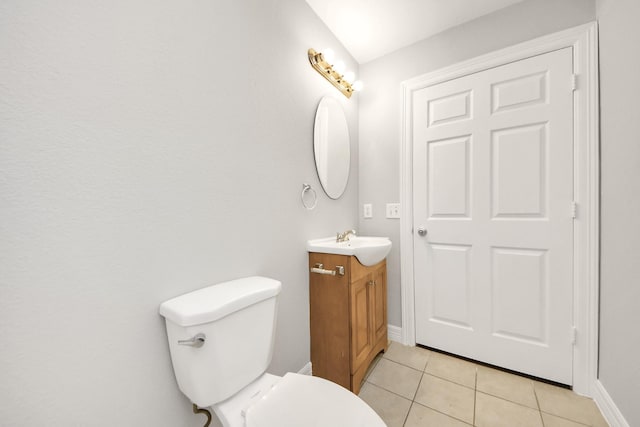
(422, 231)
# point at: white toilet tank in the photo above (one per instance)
(236, 321)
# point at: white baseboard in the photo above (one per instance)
(394, 333)
(306, 369)
(607, 406)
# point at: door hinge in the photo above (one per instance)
(573, 335)
(574, 209)
(574, 82)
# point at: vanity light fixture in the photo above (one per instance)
(335, 73)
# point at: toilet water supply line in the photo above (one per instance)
(197, 410)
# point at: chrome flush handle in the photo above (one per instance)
(196, 341)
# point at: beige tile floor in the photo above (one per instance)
(414, 387)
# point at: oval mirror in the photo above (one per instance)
(331, 147)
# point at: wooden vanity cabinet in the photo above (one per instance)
(348, 318)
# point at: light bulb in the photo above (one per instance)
(357, 85)
(349, 76)
(339, 67)
(329, 55)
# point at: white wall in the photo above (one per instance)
(148, 149)
(380, 102)
(620, 205)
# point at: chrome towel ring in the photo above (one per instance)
(309, 197)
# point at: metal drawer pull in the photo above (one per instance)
(197, 340)
(319, 269)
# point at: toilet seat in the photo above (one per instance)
(302, 400)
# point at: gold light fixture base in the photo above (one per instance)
(326, 70)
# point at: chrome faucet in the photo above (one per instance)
(343, 237)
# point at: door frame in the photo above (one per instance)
(586, 244)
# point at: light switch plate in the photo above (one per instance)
(367, 210)
(393, 210)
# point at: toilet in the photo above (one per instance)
(221, 342)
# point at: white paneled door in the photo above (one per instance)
(493, 215)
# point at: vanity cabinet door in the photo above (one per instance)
(361, 336)
(329, 315)
(379, 304)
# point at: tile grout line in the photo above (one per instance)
(384, 356)
(415, 393)
(452, 382)
(401, 364)
(444, 379)
(442, 413)
(535, 393)
(475, 398)
(413, 401)
(406, 417)
(537, 408)
(581, 424)
(449, 380)
(388, 391)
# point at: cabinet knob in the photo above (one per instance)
(422, 231)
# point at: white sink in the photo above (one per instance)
(368, 250)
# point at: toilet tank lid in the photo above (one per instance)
(217, 301)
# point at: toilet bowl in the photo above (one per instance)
(221, 343)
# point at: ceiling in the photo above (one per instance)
(372, 28)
